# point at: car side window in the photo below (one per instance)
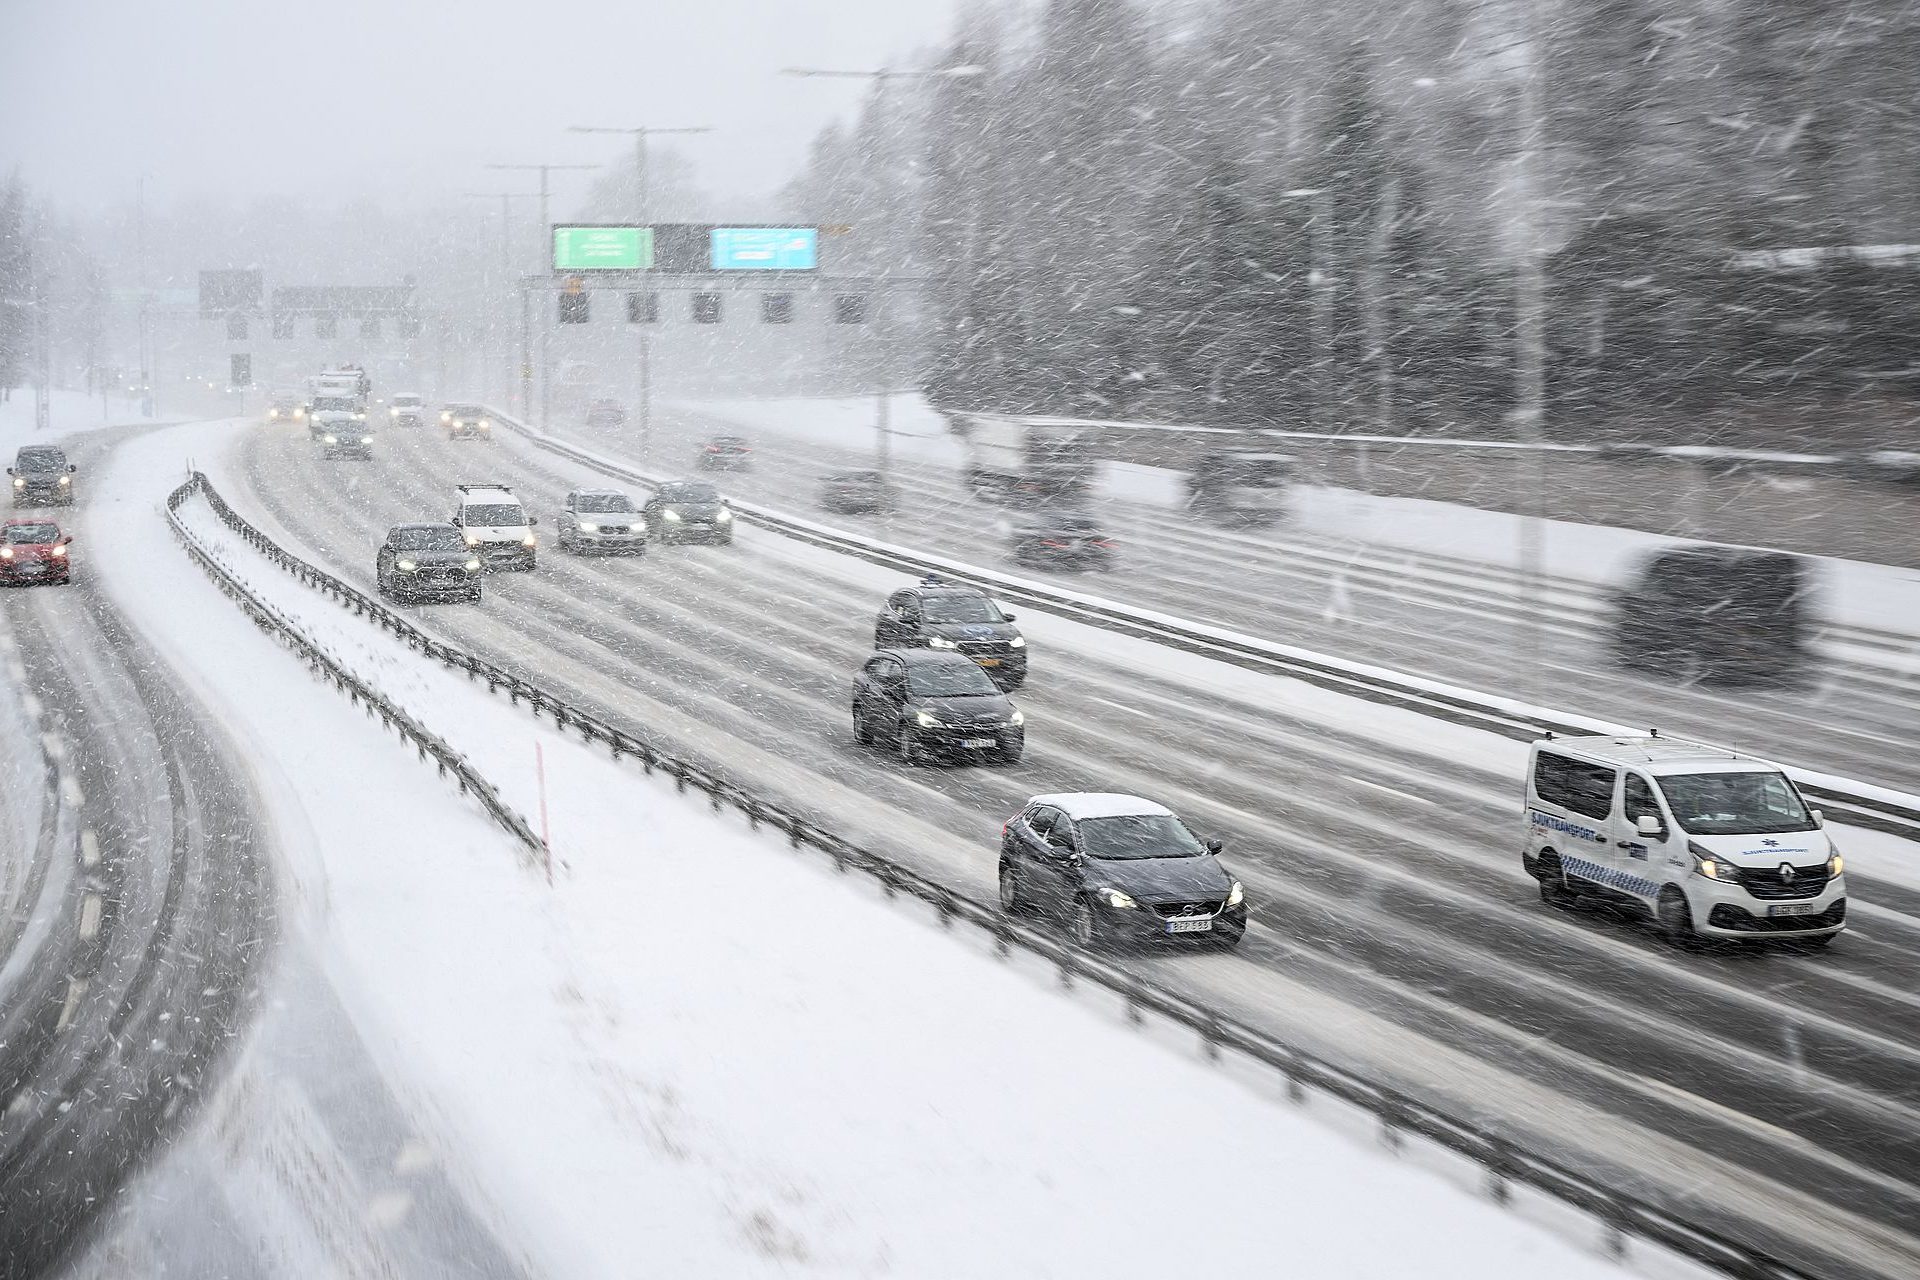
(1639, 802)
(1040, 821)
(1061, 836)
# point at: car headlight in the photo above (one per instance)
(359, 417)
(446, 417)
(299, 413)
(19, 482)
(1712, 866)
(330, 439)
(366, 439)
(941, 642)
(588, 526)
(66, 479)
(724, 516)
(61, 552)
(1019, 718)
(672, 515)
(484, 425)
(1018, 642)
(927, 720)
(1237, 894)
(636, 528)
(1118, 900)
(393, 413)
(528, 541)
(405, 566)
(1836, 865)
(472, 541)
(273, 413)
(6, 553)
(473, 566)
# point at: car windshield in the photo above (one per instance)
(17, 533)
(1137, 835)
(949, 680)
(962, 609)
(1735, 804)
(432, 539)
(596, 503)
(689, 493)
(495, 515)
(40, 460)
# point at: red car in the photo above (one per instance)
(33, 551)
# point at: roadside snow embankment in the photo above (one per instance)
(697, 1050)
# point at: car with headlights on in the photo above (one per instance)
(931, 705)
(1118, 869)
(688, 511)
(427, 561)
(409, 409)
(466, 422)
(347, 440)
(34, 551)
(497, 526)
(600, 520)
(937, 614)
(287, 406)
(42, 477)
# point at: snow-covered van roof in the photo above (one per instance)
(1100, 804)
(1657, 755)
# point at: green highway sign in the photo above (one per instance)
(592, 248)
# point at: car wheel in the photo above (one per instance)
(903, 742)
(1675, 918)
(861, 734)
(1086, 927)
(1553, 882)
(473, 596)
(1009, 889)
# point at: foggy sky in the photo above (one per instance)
(405, 99)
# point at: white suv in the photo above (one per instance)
(1707, 842)
(496, 526)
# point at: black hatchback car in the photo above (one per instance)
(1118, 869)
(427, 562)
(42, 477)
(935, 705)
(1063, 540)
(688, 511)
(937, 614)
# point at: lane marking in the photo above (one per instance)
(390, 1208)
(89, 848)
(1392, 791)
(76, 987)
(54, 746)
(89, 917)
(27, 700)
(1121, 706)
(70, 791)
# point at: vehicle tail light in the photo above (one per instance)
(1049, 542)
(1103, 542)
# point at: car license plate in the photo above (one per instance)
(988, 662)
(1794, 909)
(1196, 924)
(979, 742)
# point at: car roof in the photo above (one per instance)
(599, 493)
(1100, 804)
(1657, 755)
(928, 657)
(486, 493)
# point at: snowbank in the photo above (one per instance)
(701, 1051)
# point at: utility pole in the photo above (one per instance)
(505, 292)
(546, 232)
(1319, 322)
(880, 77)
(148, 374)
(1530, 356)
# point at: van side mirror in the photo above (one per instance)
(1647, 825)
(71, 467)
(1819, 818)
(1006, 617)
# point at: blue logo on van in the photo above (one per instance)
(1552, 823)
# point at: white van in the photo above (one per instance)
(1709, 843)
(496, 526)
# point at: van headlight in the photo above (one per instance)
(927, 720)
(1019, 718)
(1237, 894)
(393, 413)
(66, 479)
(1118, 900)
(1712, 866)
(19, 482)
(1018, 642)
(941, 642)
(672, 516)
(724, 516)
(1836, 865)
(472, 541)
(366, 439)
(405, 566)
(484, 425)
(528, 541)
(330, 439)
(588, 526)
(636, 528)
(473, 566)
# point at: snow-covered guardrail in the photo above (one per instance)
(1858, 803)
(427, 744)
(1507, 1160)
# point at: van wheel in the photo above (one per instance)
(1675, 918)
(1553, 882)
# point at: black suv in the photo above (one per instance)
(937, 614)
(42, 477)
(927, 704)
(1119, 869)
(427, 562)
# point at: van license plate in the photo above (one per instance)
(1794, 909)
(1200, 924)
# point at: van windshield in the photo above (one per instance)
(1734, 804)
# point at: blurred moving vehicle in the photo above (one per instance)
(1063, 540)
(688, 511)
(350, 440)
(427, 561)
(726, 453)
(496, 526)
(1027, 461)
(287, 406)
(1722, 615)
(606, 413)
(42, 476)
(466, 422)
(1118, 869)
(1239, 489)
(858, 493)
(409, 409)
(34, 551)
(931, 705)
(1705, 842)
(602, 520)
(937, 614)
(333, 415)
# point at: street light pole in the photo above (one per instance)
(1318, 321)
(1530, 355)
(546, 323)
(505, 286)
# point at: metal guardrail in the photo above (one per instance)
(426, 743)
(1506, 1160)
(1857, 804)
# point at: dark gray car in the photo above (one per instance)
(935, 705)
(42, 477)
(688, 511)
(427, 562)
